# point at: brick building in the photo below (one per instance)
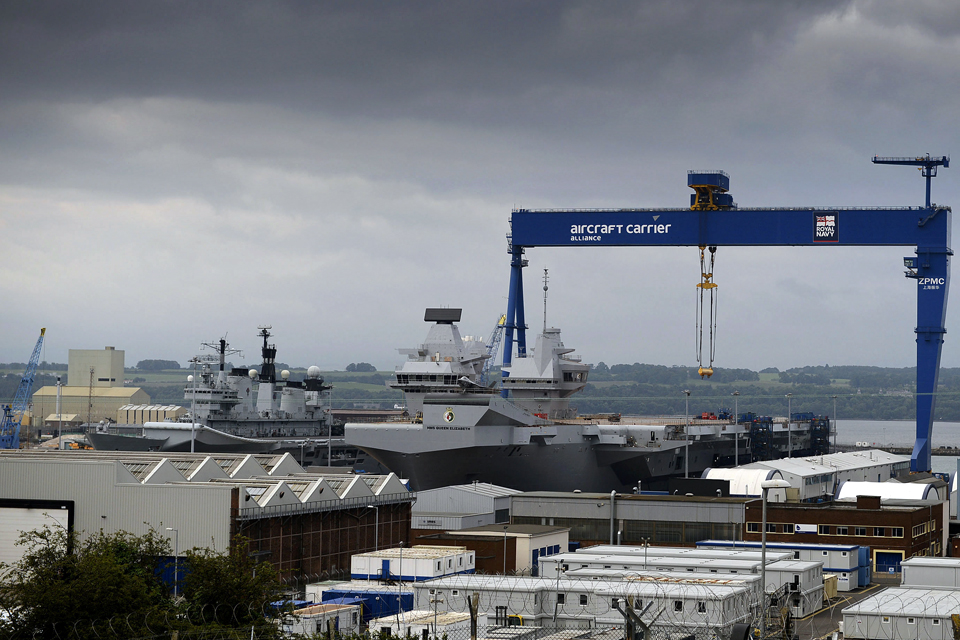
(893, 532)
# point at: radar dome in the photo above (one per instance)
(313, 372)
(253, 374)
(189, 378)
(285, 374)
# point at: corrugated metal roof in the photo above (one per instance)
(415, 552)
(423, 617)
(614, 586)
(486, 489)
(322, 608)
(152, 407)
(831, 463)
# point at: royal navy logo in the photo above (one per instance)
(826, 228)
(448, 415)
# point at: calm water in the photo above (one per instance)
(901, 433)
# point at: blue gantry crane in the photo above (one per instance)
(13, 413)
(714, 220)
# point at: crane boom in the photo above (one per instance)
(492, 347)
(13, 414)
(927, 165)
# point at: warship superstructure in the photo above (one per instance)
(462, 431)
(247, 411)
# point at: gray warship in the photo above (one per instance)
(462, 431)
(248, 411)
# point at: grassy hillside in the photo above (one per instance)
(861, 392)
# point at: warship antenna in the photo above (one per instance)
(222, 347)
(545, 279)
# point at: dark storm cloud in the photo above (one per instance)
(444, 59)
(313, 156)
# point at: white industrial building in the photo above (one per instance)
(420, 562)
(695, 604)
(462, 506)
(815, 477)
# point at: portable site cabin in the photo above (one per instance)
(804, 582)
(376, 599)
(422, 562)
(842, 560)
(688, 605)
(751, 580)
(930, 572)
(549, 567)
(428, 624)
(903, 612)
(741, 553)
(804, 579)
(315, 619)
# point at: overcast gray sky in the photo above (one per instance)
(171, 172)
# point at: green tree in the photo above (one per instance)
(62, 581)
(157, 365)
(231, 589)
(109, 586)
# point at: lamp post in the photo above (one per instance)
(505, 550)
(59, 418)
(376, 526)
(193, 403)
(736, 426)
(834, 424)
(686, 433)
(789, 431)
(400, 585)
(434, 600)
(176, 560)
(765, 486)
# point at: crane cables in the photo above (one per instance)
(707, 289)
